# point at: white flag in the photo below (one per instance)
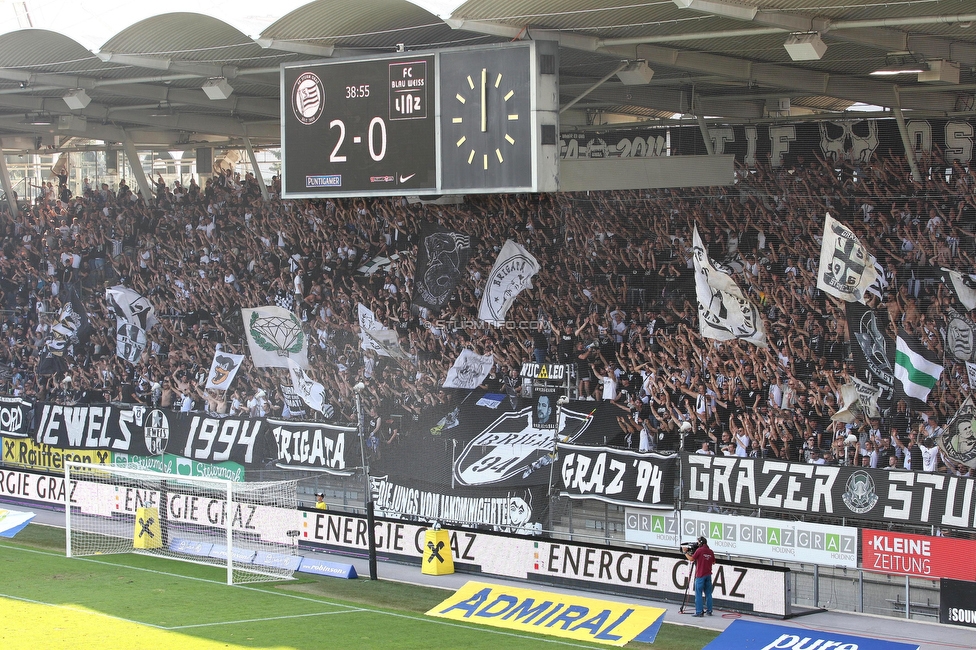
(131, 306)
(373, 336)
(724, 313)
(311, 391)
(965, 287)
(971, 373)
(469, 370)
(130, 340)
(850, 404)
(223, 369)
(847, 269)
(274, 336)
(512, 272)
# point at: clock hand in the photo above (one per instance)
(484, 93)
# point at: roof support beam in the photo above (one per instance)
(135, 164)
(7, 187)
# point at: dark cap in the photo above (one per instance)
(320, 494)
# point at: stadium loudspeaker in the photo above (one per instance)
(204, 160)
(111, 161)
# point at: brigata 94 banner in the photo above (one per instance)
(918, 555)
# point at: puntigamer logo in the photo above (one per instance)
(308, 98)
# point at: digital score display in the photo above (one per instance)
(359, 128)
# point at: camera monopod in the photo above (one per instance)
(684, 599)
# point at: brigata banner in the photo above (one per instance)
(775, 539)
(957, 602)
(616, 476)
(918, 555)
(542, 612)
(750, 635)
(15, 417)
(920, 498)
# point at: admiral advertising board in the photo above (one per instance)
(738, 586)
(841, 492)
(918, 555)
(771, 539)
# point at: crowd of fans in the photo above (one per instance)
(615, 296)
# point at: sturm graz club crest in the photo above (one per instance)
(308, 98)
(156, 432)
(859, 494)
(512, 448)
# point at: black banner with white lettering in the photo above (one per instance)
(254, 443)
(856, 141)
(15, 417)
(957, 602)
(920, 498)
(615, 476)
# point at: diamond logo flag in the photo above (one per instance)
(724, 313)
(846, 270)
(512, 272)
(274, 336)
(916, 368)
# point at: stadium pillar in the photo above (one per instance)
(700, 116)
(265, 195)
(135, 164)
(905, 141)
(5, 181)
(367, 489)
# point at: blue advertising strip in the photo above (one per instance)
(326, 568)
(749, 635)
(278, 560)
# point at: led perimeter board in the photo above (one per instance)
(458, 120)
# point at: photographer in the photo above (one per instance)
(703, 559)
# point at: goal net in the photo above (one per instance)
(250, 528)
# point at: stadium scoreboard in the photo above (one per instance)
(465, 120)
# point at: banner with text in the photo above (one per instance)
(828, 491)
(790, 541)
(616, 476)
(918, 555)
(957, 603)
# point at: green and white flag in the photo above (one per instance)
(274, 337)
(917, 368)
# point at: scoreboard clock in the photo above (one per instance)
(450, 121)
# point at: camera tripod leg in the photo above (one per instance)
(684, 599)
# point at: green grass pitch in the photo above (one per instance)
(135, 601)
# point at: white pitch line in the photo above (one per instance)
(260, 620)
(434, 621)
(79, 610)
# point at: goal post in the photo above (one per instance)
(249, 528)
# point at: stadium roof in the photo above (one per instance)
(142, 72)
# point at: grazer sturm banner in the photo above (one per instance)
(751, 635)
(15, 417)
(918, 555)
(315, 446)
(512, 511)
(957, 602)
(919, 498)
(616, 476)
(776, 539)
(567, 616)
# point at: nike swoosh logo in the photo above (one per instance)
(404, 179)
